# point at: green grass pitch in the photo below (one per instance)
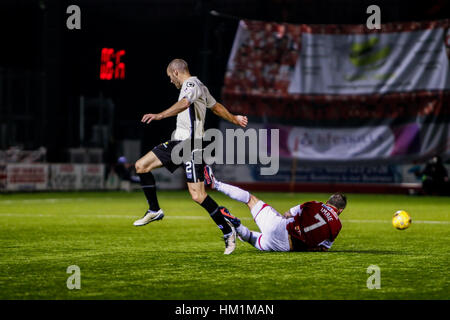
(181, 257)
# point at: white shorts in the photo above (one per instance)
(274, 236)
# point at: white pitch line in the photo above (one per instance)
(431, 222)
(49, 200)
(108, 216)
(119, 216)
(388, 221)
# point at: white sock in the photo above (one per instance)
(249, 236)
(233, 192)
(243, 232)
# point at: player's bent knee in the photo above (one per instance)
(195, 197)
(252, 202)
(142, 167)
(147, 163)
(139, 166)
(198, 197)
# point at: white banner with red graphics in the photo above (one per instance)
(93, 176)
(271, 58)
(2, 176)
(26, 177)
(66, 176)
(344, 92)
(43, 176)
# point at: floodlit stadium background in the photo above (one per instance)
(57, 108)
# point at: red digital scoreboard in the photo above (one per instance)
(111, 66)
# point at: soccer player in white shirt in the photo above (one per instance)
(190, 110)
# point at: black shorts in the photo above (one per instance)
(193, 171)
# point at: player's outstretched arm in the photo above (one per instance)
(222, 112)
(175, 109)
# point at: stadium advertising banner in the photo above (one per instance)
(365, 63)
(382, 142)
(44, 176)
(343, 92)
(2, 176)
(65, 176)
(92, 176)
(27, 177)
(315, 173)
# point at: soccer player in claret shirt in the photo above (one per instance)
(311, 226)
(193, 101)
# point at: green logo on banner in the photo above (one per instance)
(367, 56)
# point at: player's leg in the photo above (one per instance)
(144, 166)
(198, 193)
(273, 235)
(233, 192)
(268, 220)
(245, 234)
(255, 205)
(250, 236)
(272, 225)
(159, 156)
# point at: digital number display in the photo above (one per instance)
(110, 65)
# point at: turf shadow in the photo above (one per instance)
(369, 251)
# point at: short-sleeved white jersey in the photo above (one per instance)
(190, 122)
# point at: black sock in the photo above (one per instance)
(213, 209)
(149, 187)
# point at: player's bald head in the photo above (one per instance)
(178, 65)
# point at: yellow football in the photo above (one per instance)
(401, 220)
